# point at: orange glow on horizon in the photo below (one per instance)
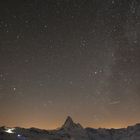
(55, 125)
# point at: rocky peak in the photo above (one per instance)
(69, 124)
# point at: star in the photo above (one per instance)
(14, 88)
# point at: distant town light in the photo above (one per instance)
(9, 130)
(19, 135)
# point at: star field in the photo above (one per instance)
(69, 57)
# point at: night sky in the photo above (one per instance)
(69, 57)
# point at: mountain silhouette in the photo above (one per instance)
(69, 124)
(70, 131)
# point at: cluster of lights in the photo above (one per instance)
(9, 130)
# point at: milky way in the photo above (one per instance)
(69, 57)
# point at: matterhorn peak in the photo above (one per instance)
(69, 120)
(69, 124)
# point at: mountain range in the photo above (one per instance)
(70, 131)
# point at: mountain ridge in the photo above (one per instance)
(71, 131)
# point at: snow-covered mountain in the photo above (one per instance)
(70, 131)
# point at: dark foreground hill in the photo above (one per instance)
(71, 131)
